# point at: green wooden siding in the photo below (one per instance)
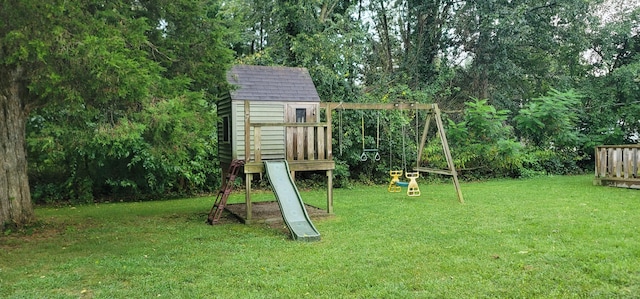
(273, 138)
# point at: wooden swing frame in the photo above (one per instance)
(433, 114)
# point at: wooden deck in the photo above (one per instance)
(617, 165)
(308, 148)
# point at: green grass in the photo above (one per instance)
(551, 237)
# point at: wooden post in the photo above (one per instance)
(447, 153)
(636, 162)
(247, 196)
(423, 140)
(604, 158)
(247, 154)
(320, 136)
(311, 144)
(289, 155)
(626, 162)
(618, 155)
(299, 144)
(247, 132)
(330, 191)
(329, 140)
(597, 164)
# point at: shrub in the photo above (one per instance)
(482, 144)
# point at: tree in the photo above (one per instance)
(424, 39)
(15, 196)
(93, 66)
(517, 50)
(611, 89)
(190, 41)
(551, 121)
(323, 36)
(61, 53)
(484, 145)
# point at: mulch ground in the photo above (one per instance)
(269, 212)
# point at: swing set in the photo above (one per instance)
(433, 114)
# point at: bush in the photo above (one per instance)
(482, 144)
(551, 120)
(166, 148)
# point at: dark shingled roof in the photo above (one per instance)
(272, 83)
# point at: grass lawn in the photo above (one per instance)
(549, 237)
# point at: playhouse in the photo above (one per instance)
(272, 114)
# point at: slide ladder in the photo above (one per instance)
(225, 190)
(293, 211)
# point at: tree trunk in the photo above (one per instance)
(385, 37)
(15, 198)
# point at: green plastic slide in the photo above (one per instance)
(291, 204)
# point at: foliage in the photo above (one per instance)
(190, 41)
(319, 35)
(123, 98)
(551, 121)
(482, 144)
(611, 106)
(611, 88)
(516, 50)
(550, 124)
(166, 148)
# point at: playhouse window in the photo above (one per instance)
(301, 115)
(225, 129)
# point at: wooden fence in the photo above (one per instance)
(617, 165)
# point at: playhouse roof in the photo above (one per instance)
(272, 83)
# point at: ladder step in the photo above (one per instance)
(224, 192)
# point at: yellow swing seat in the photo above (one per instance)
(395, 185)
(413, 188)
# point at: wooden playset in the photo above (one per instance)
(273, 114)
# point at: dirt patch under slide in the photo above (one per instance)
(269, 212)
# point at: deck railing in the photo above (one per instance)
(303, 141)
(617, 165)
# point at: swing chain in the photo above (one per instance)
(364, 156)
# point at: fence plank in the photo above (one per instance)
(618, 161)
(290, 143)
(310, 143)
(321, 145)
(611, 165)
(602, 171)
(257, 141)
(636, 162)
(299, 143)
